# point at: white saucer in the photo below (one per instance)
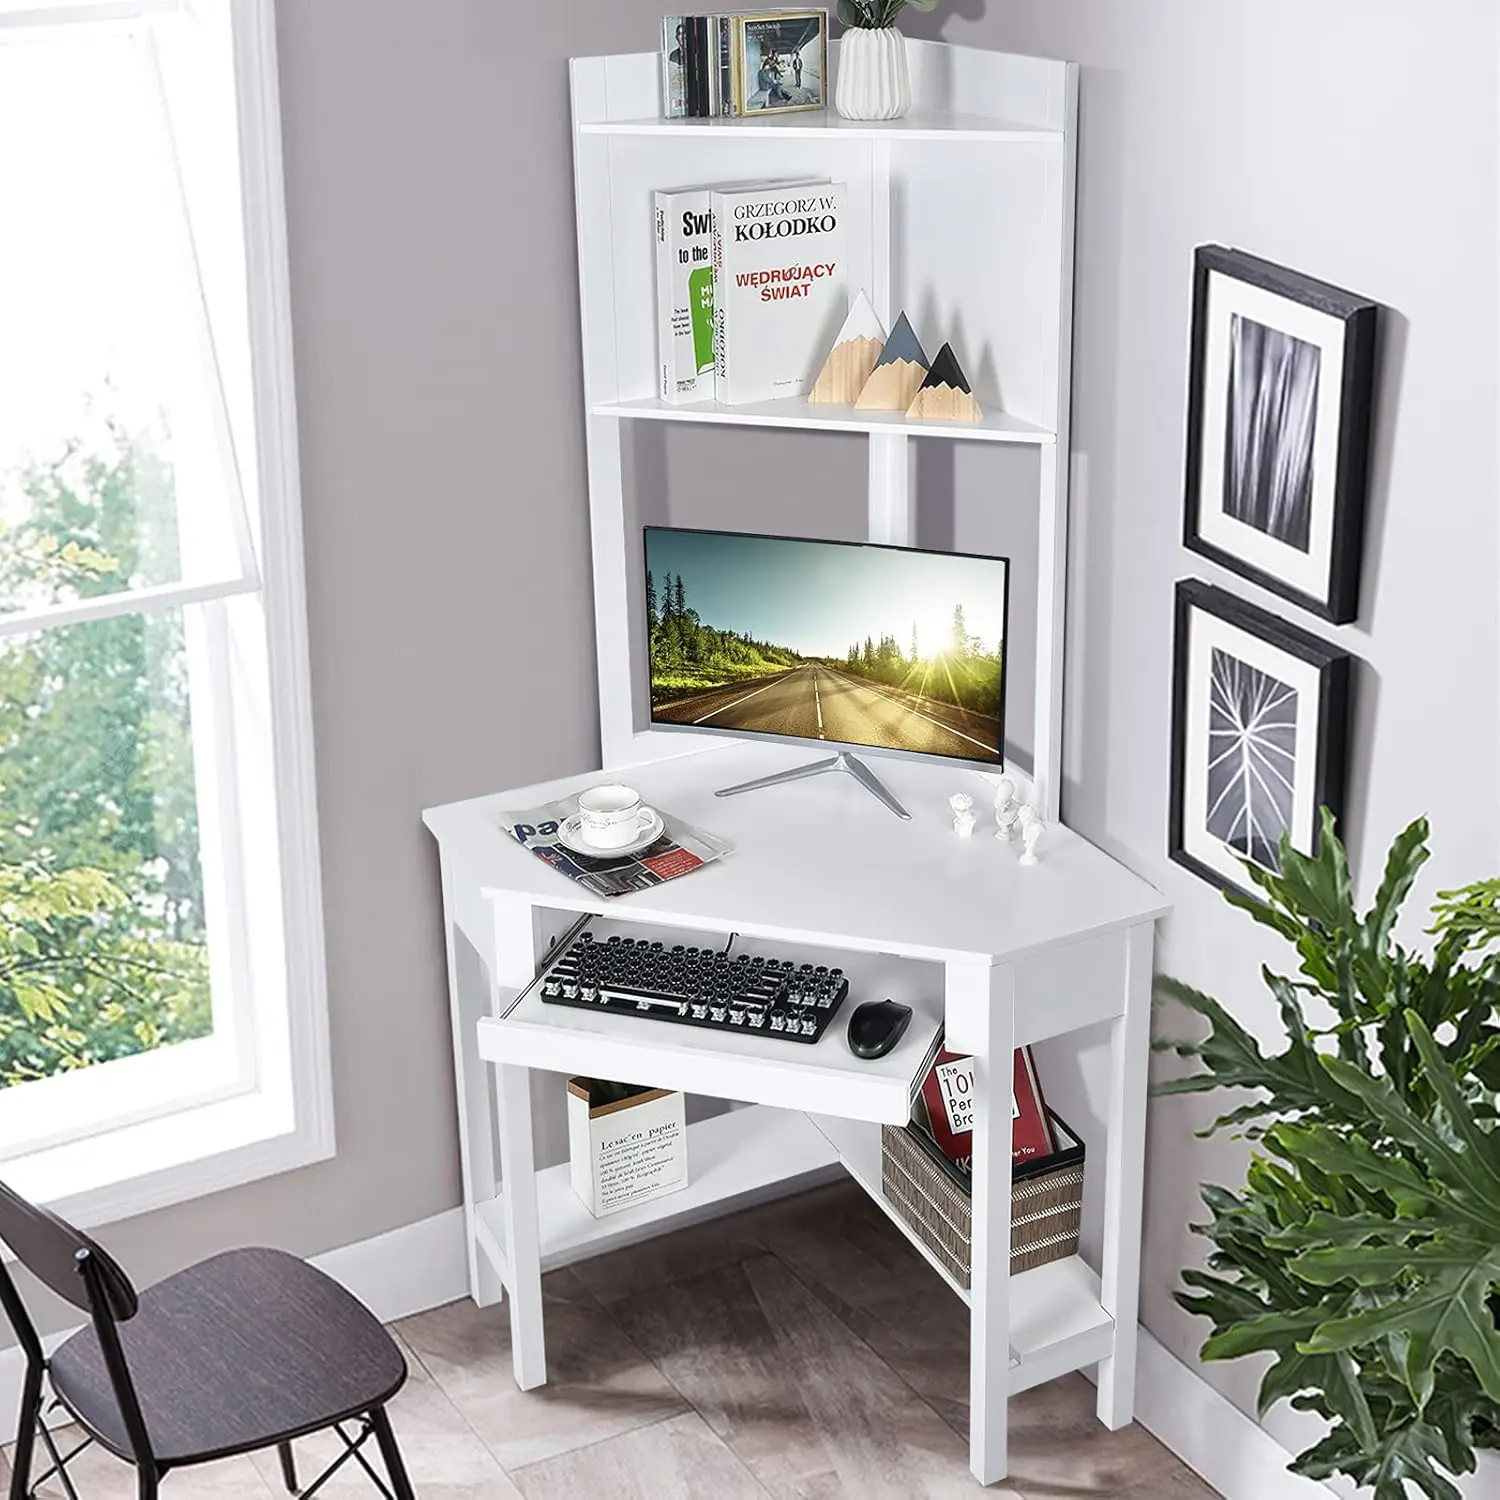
(571, 836)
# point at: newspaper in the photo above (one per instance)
(680, 850)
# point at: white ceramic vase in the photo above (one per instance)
(874, 82)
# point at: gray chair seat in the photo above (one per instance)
(246, 1349)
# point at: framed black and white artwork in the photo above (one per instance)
(1280, 398)
(1259, 735)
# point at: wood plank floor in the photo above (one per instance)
(798, 1350)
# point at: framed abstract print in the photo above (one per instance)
(1259, 735)
(1280, 399)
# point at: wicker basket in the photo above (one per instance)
(933, 1197)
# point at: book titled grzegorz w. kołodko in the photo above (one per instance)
(781, 287)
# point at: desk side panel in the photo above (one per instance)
(1068, 988)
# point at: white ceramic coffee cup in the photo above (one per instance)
(611, 815)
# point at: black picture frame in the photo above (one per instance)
(1337, 597)
(1329, 770)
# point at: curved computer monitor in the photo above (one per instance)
(844, 644)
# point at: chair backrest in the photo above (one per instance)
(73, 1266)
(50, 1248)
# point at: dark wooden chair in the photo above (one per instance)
(247, 1350)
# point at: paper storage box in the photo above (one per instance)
(624, 1150)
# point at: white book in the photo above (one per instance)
(685, 296)
(781, 287)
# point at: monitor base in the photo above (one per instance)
(843, 761)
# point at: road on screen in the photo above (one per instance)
(822, 703)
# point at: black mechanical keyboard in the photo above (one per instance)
(696, 986)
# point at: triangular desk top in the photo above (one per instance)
(822, 861)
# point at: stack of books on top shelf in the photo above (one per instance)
(752, 287)
(748, 64)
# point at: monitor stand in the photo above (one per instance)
(843, 761)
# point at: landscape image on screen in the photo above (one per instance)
(860, 645)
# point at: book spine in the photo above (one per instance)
(698, 66)
(736, 66)
(725, 38)
(717, 206)
(691, 79)
(711, 64)
(665, 337)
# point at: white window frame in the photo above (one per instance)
(275, 1113)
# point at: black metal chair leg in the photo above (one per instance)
(288, 1467)
(31, 1414)
(148, 1484)
(394, 1464)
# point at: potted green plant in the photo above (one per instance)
(1363, 1250)
(874, 82)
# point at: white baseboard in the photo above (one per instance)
(407, 1271)
(1210, 1434)
(1237, 1456)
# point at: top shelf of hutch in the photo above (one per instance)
(919, 125)
(959, 94)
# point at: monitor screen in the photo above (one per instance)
(886, 648)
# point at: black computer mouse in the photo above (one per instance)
(876, 1027)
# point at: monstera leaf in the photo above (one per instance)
(1363, 1253)
(1444, 1263)
(1410, 1451)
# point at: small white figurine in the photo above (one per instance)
(1027, 815)
(963, 818)
(1005, 796)
(1032, 833)
(1006, 825)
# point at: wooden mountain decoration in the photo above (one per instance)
(854, 354)
(945, 394)
(898, 373)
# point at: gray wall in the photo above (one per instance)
(430, 209)
(1356, 141)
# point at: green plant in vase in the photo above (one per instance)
(876, 15)
(874, 80)
(1363, 1251)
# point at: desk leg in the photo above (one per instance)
(468, 999)
(1124, 1178)
(981, 1021)
(528, 1346)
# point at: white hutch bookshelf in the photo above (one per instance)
(961, 214)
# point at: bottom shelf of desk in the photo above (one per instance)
(734, 1160)
(1057, 1321)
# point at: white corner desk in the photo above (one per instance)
(998, 953)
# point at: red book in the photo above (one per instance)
(948, 1096)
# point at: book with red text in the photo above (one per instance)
(948, 1101)
(781, 287)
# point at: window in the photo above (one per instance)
(162, 1027)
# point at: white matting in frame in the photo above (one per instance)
(1305, 568)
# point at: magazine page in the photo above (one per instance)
(679, 850)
